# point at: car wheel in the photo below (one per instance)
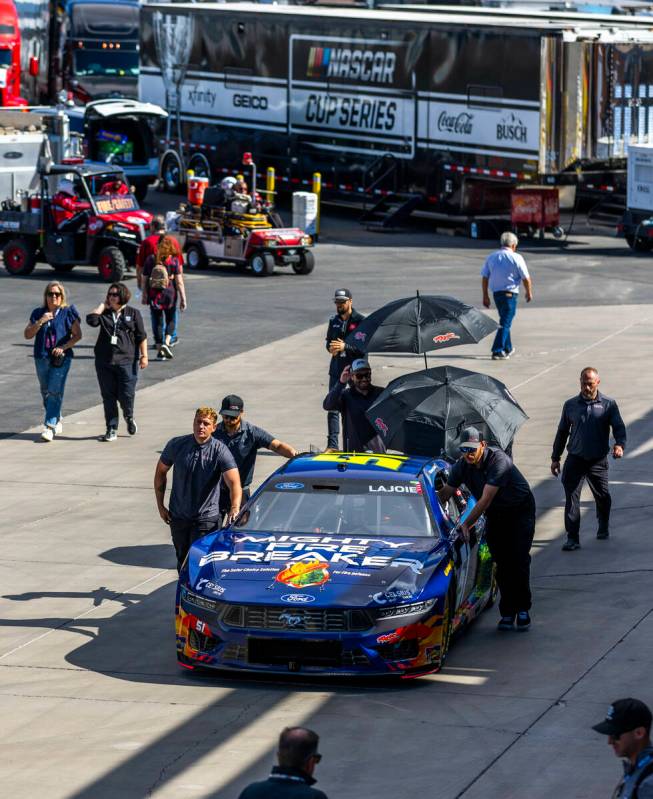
(262, 264)
(19, 257)
(171, 173)
(639, 245)
(196, 257)
(111, 265)
(306, 263)
(200, 166)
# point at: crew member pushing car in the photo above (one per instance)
(243, 440)
(503, 494)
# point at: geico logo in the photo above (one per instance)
(250, 101)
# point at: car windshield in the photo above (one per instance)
(5, 58)
(111, 193)
(123, 64)
(350, 507)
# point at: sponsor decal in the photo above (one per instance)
(289, 486)
(381, 425)
(304, 574)
(9, 225)
(203, 583)
(298, 599)
(444, 337)
(352, 326)
(511, 128)
(291, 619)
(462, 123)
(392, 462)
(393, 595)
(201, 627)
(116, 203)
(346, 111)
(388, 638)
(250, 101)
(392, 489)
(360, 336)
(359, 64)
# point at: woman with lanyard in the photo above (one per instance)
(120, 350)
(55, 328)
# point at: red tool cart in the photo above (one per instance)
(535, 208)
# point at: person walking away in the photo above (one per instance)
(243, 440)
(628, 727)
(297, 756)
(586, 422)
(351, 401)
(120, 350)
(200, 463)
(501, 274)
(166, 256)
(162, 299)
(343, 322)
(148, 246)
(504, 495)
(55, 328)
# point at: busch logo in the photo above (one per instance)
(444, 337)
(512, 129)
(461, 123)
(381, 425)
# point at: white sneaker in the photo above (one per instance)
(58, 428)
(47, 434)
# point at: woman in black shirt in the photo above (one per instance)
(121, 348)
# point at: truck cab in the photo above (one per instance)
(9, 55)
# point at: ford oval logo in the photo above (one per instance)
(13, 154)
(298, 599)
(289, 486)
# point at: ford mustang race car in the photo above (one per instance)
(339, 564)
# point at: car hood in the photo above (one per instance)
(305, 569)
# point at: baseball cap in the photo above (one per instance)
(470, 438)
(359, 364)
(232, 405)
(624, 715)
(342, 295)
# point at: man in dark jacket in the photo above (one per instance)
(351, 401)
(586, 421)
(343, 322)
(293, 777)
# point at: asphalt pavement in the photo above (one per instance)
(93, 703)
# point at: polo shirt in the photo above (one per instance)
(505, 270)
(243, 446)
(495, 469)
(197, 470)
(587, 423)
(129, 330)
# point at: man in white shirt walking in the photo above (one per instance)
(501, 274)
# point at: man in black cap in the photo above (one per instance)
(503, 494)
(343, 322)
(243, 440)
(628, 727)
(351, 396)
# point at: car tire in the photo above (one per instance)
(171, 174)
(111, 265)
(196, 257)
(19, 257)
(200, 166)
(639, 245)
(262, 264)
(306, 263)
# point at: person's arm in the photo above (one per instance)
(489, 493)
(141, 340)
(93, 318)
(75, 336)
(282, 448)
(560, 441)
(528, 288)
(33, 327)
(351, 349)
(232, 480)
(485, 282)
(618, 431)
(160, 482)
(333, 400)
(445, 494)
(181, 288)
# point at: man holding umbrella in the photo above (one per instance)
(503, 494)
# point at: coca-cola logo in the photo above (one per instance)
(456, 123)
(511, 128)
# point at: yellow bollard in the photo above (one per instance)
(271, 178)
(317, 189)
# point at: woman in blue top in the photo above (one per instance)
(55, 328)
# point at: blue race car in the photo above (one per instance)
(339, 564)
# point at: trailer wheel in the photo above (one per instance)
(306, 263)
(196, 257)
(262, 264)
(171, 173)
(200, 166)
(111, 265)
(639, 245)
(19, 257)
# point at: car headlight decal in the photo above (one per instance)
(406, 610)
(199, 601)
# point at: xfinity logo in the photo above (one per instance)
(512, 129)
(456, 123)
(367, 66)
(298, 599)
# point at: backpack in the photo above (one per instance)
(159, 278)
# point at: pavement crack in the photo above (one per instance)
(595, 574)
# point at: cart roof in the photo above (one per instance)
(84, 170)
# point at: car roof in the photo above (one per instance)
(365, 465)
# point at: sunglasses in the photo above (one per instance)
(468, 450)
(362, 375)
(55, 294)
(113, 294)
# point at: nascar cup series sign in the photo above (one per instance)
(354, 91)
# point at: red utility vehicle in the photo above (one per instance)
(9, 55)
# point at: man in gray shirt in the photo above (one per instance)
(200, 464)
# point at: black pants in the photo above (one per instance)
(164, 323)
(574, 473)
(509, 535)
(117, 385)
(333, 420)
(184, 532)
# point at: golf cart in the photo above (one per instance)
(108, 235)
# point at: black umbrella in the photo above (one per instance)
(423, 413)
(421, 324)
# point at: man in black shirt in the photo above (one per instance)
(343, 322)
(352, 401)
(503, 494)
(586, 421)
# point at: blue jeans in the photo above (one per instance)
(158, 326)
(507, 308)
(52, 381)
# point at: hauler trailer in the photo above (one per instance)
(444, 109)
